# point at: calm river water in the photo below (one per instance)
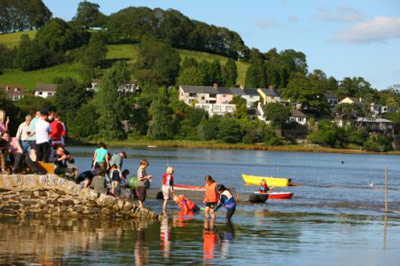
(335, 217)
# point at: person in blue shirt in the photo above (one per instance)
(227, 199)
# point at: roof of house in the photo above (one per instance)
(250, 92)
(46, 87)
(97, 81)
(11, 90)
(377, 120)
(270, 92)
(353, 99)
(297, 113)
(330, 96)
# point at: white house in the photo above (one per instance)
(129, 87)
(298, 117)
(251, 96)
(14, 93)
(216, 109)
(45, 90)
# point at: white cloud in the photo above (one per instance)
(343, 13)
(266, 23)
(378, 29)
(293, 18)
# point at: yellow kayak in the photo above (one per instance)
(271, 181)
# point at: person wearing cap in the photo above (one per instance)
(42, 131)
(226, 198)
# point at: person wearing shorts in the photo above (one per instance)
(211, 197)
(143, 177)
(167, 187)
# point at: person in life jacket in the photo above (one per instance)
(226, 198)
(185, 204)
(210, 197)
(263, 188)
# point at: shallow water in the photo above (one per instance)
(335, 217)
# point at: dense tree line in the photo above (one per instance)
(131, 24)
(20, 15)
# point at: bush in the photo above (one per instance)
(378, 143)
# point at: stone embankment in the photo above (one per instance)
(52, 196)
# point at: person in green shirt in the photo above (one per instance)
(101, 158)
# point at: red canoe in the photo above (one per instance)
(280, 195)
(185, 187)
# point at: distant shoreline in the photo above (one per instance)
(140, 143)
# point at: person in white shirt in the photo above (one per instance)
(42, 130)
(24, 133)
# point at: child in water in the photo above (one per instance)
(167, 187)
(185, 204)
(263, 188)
(226, 198)
(211, 197)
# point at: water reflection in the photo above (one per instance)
(165, 236)
(227, 238)
(183, 239)
(141, 251)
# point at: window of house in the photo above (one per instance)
(192, 94)
(40, 93)
(213, 95)
(203, 98)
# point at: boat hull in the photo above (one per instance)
(271, 181)
(280, 195)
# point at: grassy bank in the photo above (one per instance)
(139, 143)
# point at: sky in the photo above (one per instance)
(358, 38)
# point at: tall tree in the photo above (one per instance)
(230, 72)
(256, 76)
(191, 76)
(160, 126)
(277, 113)
(70, 96)
(108, 102)
(94, 53)
(31, 55)
(88, 15)
(160, 58)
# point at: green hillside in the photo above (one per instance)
(31, 78)
(121, 51)
(11, 40)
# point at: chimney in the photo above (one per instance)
(241, 86)
(271, 87)
(215, 85)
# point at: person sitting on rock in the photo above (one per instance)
(99, 183)
(14, 150)
(62, 159)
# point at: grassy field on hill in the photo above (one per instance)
(11, 40)
(119, 51)
(30, 79)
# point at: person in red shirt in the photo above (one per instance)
(57, 131)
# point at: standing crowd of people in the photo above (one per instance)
(38, 139)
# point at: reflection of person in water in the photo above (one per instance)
(141, 252)
(165, 236)
(227, 238)
(210, 241)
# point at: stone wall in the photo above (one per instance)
(52, 196)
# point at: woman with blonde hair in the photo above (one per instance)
(167, 185)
